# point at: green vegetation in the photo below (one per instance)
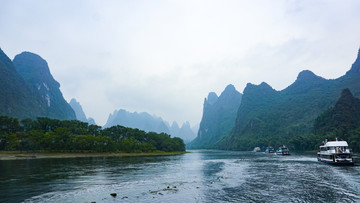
(218, 118)
(36, 73)
(341, 121)
(28, 90)
(269, 117)
(17, 99)
(46, 134)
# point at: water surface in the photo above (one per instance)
(199, 176)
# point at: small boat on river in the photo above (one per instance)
(335, 152)
(283, 150)
(269, 150)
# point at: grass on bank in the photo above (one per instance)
(11, 155)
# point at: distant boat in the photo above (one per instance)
(335, 152)
(269, 149)
(256, 149)
(283, 150)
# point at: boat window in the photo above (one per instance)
(325, 156)
(343, 156)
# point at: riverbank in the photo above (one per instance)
(6, 155)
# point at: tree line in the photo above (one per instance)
(45, 134)
(340, 121)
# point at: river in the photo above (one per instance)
(199, 176)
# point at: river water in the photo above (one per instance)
(199, 176)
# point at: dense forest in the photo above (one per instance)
(50, 135)
(340, 121)
(270, 117)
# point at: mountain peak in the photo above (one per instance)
(306, 75)
(5, 60)
(211, 98)
(73, 100)
(230, 87)
(34, 69)
(346, 93)
(355, 68)
(174, 125)
(305, 81)
(17, 99)
(32, 59)
(262, 88)
(30, 55)
(79, 112)
(348, 104)
(36, 73)
(143, 121)
(186, 124)
(265, 85)
(345, 115)
(228, 91)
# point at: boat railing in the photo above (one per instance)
(331, 151)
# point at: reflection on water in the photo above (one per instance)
(200, 176)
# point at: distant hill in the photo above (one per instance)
(269, 117)
(185, 132)
(341, 120)
(150, 123)
(174, 129)
(142, 121)
(28, 90)
(80, 115)
(218, 118)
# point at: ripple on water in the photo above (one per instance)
(291, 179)
(217, 176)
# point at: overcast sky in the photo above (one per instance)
(164, 57)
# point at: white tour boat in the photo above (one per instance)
(335, 152)
(269, 150)
(283, 150)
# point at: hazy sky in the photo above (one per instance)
(164, 57)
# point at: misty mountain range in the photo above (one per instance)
(143, 121)
(260, 116)
(80, 114)
(269, 117)
(28, 90)
(150, 123)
